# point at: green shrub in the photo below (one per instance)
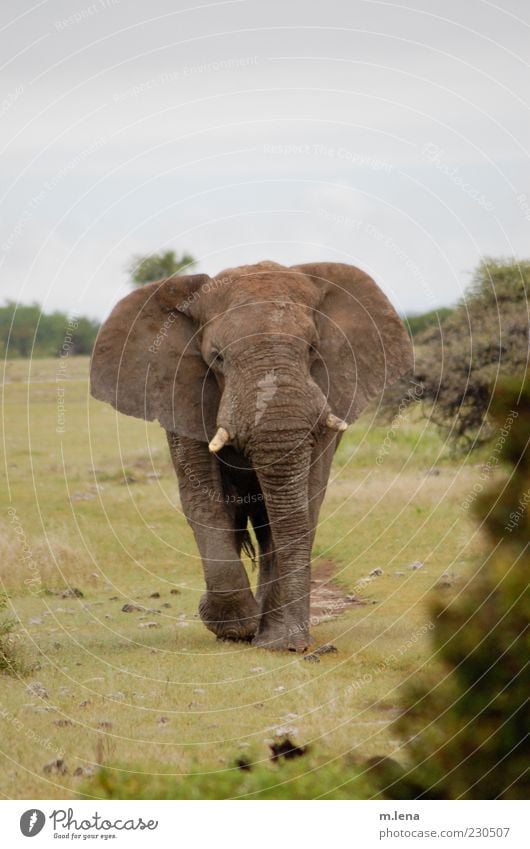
(434, 318)
(466, 730)
(459, 362)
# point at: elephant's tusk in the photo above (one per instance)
(335, 423)
(221, 438)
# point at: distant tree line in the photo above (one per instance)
(418, 322)
(26, 331)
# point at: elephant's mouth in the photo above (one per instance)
(324, 416)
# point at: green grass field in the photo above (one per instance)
(91, 503)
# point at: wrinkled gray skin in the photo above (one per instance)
(266, 353)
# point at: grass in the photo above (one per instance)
(92, 505)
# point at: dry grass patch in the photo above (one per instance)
(35, 564)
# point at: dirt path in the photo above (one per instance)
(329, 599)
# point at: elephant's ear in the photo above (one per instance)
(147, 360)
(364, 346)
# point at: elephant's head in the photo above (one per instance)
(261, 356)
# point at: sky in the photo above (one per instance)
(393, 136)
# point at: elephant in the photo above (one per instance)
(254, 374)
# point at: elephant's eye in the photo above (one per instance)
(312, 349)
(217, 359)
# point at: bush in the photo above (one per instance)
(467, 732)
(459, 362)
(417, 323)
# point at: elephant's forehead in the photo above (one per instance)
(262, 317)
(269, 311)
(259, 283)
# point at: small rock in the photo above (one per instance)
(279, 689)
(37, 689)
(434, 472)
(71, 592)
(162, 720)
(55, 767)
(105, 724)
(258, 669)
(312, 658)
(174, 591)
(155, 595)
(326, 649)
(375, 573)
(149, 625)
(285, 730)
(85, 703)
(117, 696)
(199, 690)
(132, 608)
(62, 723)
(399, 574)
(416, 565)
(446, 580)
(84, 771)
(166, 604)
(285, 749)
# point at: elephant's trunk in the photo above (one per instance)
(282, 465)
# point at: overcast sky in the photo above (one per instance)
(392, 136)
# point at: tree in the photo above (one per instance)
(416, 323)
(459, 361)
(25, 331)
(466, 730)
(150, 267)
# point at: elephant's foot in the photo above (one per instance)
(279, 640)
(230, 616)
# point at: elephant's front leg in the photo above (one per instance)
(271, 624)
(228, 607)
